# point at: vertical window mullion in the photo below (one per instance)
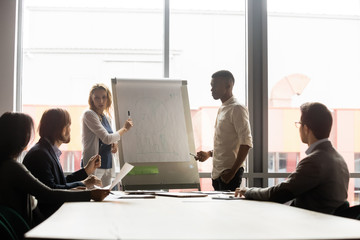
(19, 54)
(258, 90)
(166, 38)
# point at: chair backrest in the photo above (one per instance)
(5, 232)
(13, 221)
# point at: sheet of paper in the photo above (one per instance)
(227, 197)
(123, 172)
(117, 195)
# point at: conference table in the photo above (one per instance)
(190, 218)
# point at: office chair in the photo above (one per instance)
(14, 222)
(5, 232)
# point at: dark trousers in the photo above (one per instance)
(232, 185)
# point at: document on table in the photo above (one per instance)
(118, 195)
(227, 197)
(123, 172)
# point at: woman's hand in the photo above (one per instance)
(128, 124)
(114, 148)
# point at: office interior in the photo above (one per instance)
(257, 64)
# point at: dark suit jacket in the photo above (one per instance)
(319, 183)
(42, 162)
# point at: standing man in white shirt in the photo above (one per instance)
(232, 139)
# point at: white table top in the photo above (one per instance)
(191, 218)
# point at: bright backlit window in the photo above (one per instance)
(313, 55)
(68, 45)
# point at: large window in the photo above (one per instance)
(207, 36)
(70, 45)
(313, 55)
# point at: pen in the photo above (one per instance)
(129, 114)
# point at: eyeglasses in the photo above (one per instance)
(298, 124)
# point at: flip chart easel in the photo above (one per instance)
(159, 144)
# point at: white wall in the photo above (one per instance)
(7, 54)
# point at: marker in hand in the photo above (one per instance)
(129, 114)
(193, 155)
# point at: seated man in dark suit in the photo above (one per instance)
(43, 159)
(320, 181)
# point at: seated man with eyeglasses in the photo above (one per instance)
(320, 181)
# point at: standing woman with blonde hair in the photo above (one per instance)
(97, 135)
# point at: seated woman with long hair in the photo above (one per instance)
(17, 183)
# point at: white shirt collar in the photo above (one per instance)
(227, 102)
(55, 148)
(312, 146)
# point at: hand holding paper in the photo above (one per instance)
(123, 172)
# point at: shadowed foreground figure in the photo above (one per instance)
(18, 183)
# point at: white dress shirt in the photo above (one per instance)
(232, 129)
